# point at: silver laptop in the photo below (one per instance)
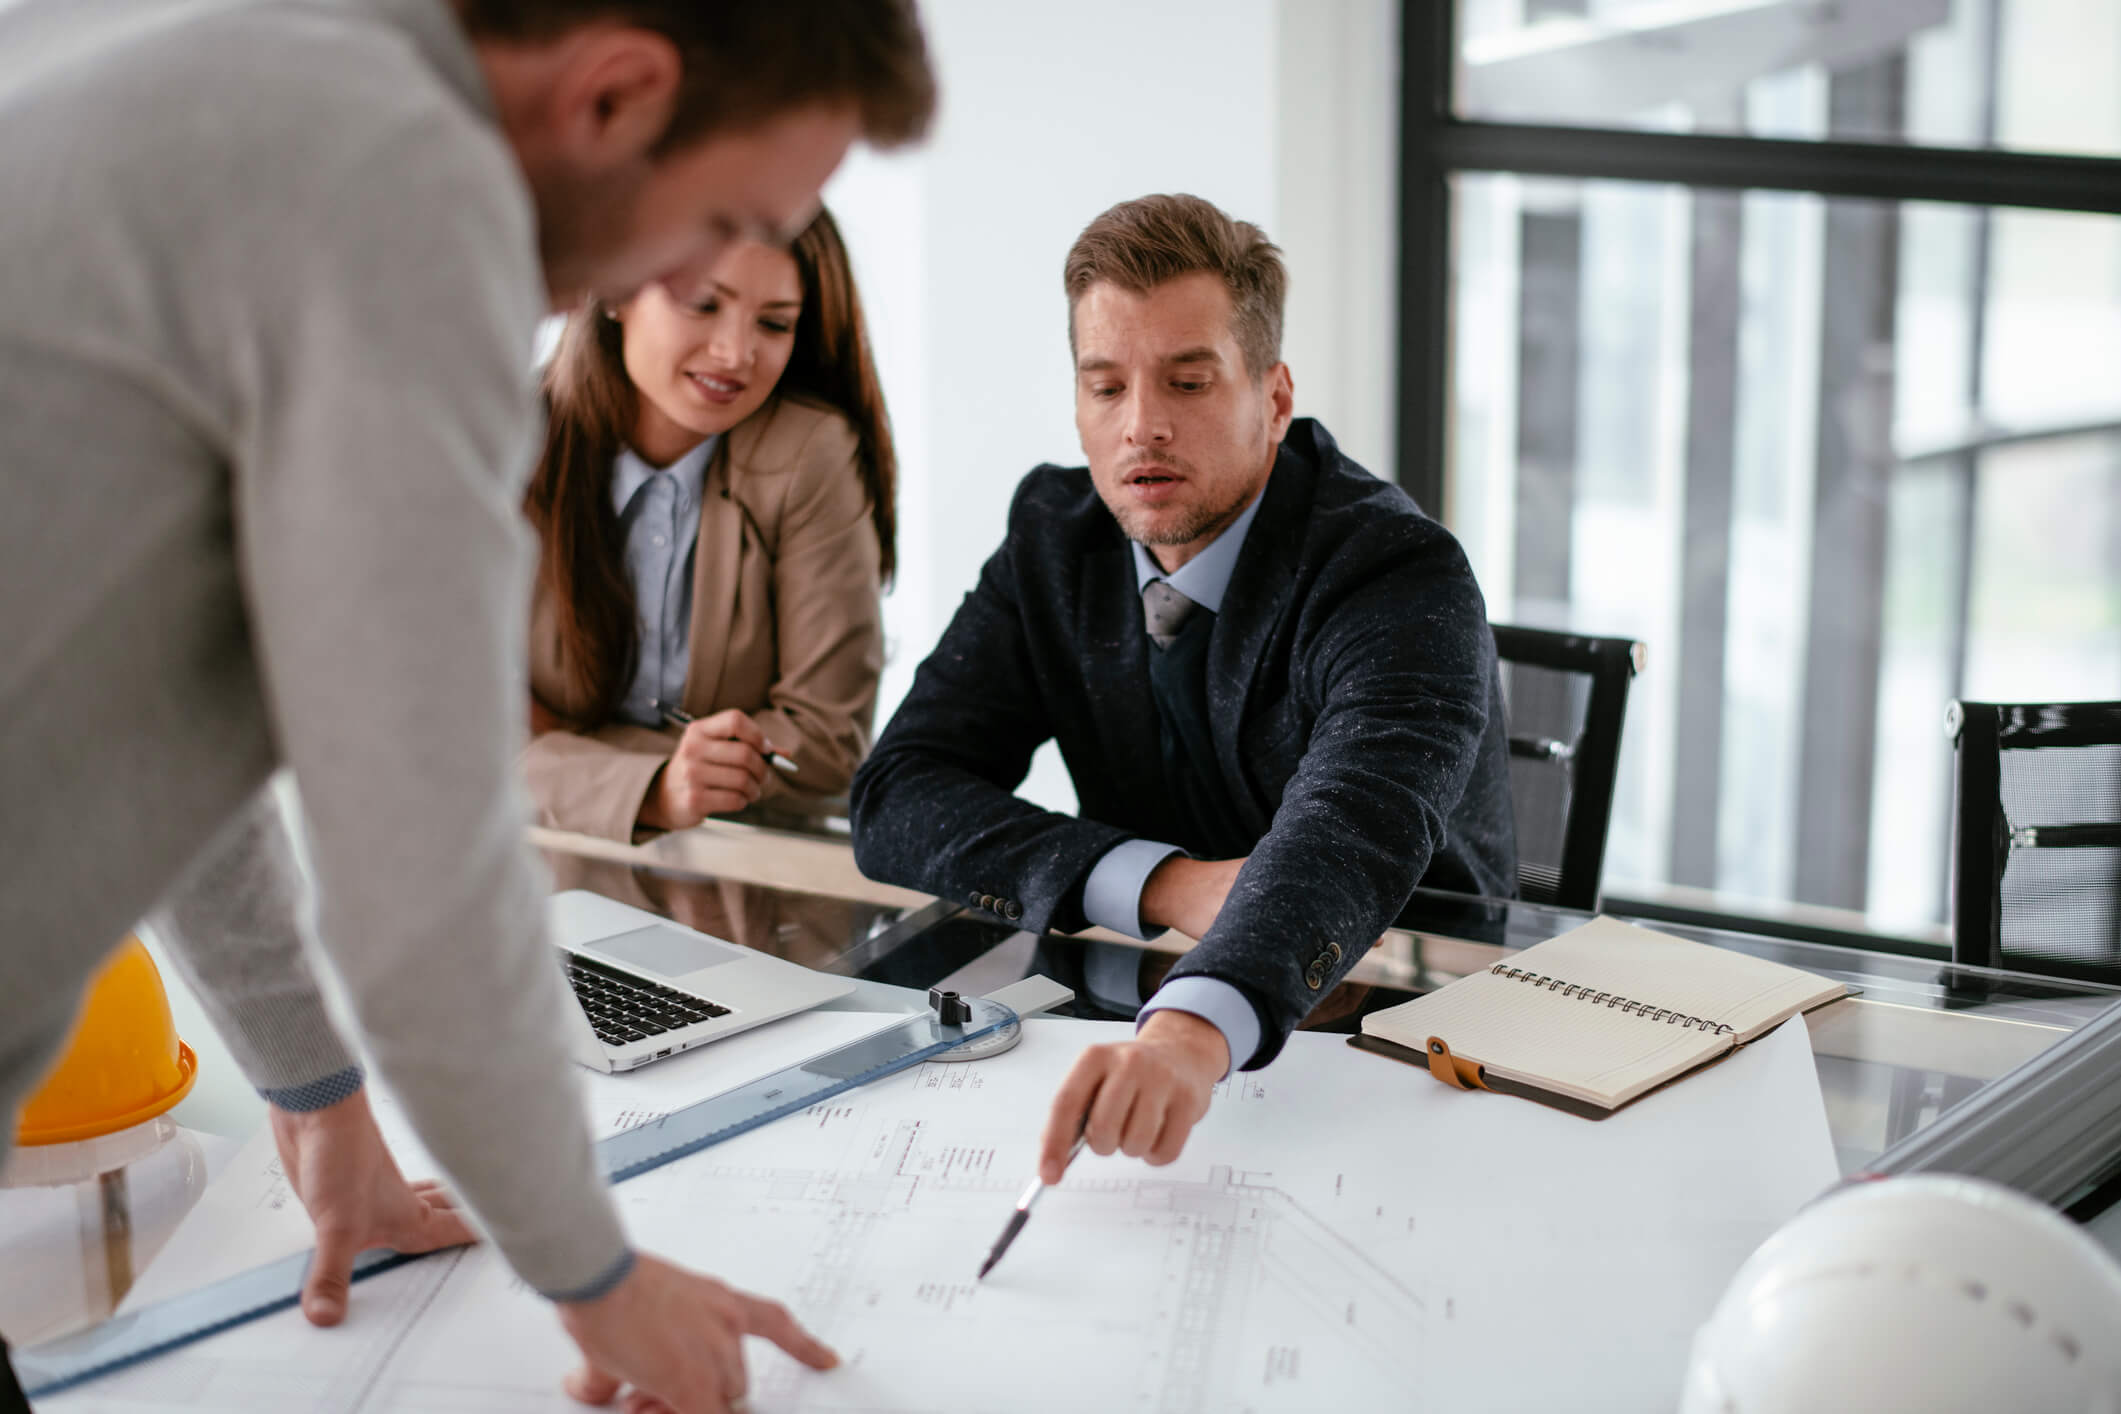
(650, 988)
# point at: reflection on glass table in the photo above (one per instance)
(804, 928)
(1919, 1037)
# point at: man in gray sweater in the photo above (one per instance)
(269, 276)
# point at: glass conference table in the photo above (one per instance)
(1919, 1038)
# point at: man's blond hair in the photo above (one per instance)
(1140, 244)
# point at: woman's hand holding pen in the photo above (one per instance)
(719, 766)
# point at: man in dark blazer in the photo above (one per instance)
(1270, 674)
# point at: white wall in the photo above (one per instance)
(1337, 215)
(1050, 114)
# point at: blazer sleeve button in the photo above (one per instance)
(986, 901)
(1012, 910)
(973, 898)
(1314, 979)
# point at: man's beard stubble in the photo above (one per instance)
(1196, 524)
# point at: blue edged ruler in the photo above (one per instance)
(970, 1027)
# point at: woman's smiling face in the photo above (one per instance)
(706, 358)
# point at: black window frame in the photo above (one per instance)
(1437, 145)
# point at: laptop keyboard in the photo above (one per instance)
(624, 1008)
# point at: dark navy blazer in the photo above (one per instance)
(1355, 707)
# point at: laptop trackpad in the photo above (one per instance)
(665, 951)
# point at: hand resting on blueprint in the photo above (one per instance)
(677, 1338)
(673, 1335)
(337, 1164)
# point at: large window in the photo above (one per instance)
(1744, 327)
(2024, 75)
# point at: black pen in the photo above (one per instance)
(679, 717)
(1022, 1215)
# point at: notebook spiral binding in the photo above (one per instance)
(1608, 999)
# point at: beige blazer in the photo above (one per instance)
(787, 625)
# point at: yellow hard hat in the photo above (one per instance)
(124, 1064)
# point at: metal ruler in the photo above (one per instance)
(953, 1028)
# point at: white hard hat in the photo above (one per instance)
(1925, 1293)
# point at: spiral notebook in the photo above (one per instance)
(1594, 1018)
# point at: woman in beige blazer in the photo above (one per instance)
(715, 513)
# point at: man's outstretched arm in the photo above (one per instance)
(232, 926)
(1390, 754)
(378, 470)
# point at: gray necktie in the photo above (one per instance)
(1166, 611)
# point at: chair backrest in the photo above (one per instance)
(1567, 698)
(2036, 863)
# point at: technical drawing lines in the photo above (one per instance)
(1192, 1366)
(405, 1319)
(1240, 1238)
(1222, 1293)
(246, 1375)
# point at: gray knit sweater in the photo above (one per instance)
(268, 283)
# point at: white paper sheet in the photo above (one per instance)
(250, 1216)
(1342, 1232)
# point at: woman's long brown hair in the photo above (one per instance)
(591, 407)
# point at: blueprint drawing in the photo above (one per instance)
(1342, 1232)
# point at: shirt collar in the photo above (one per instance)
(1206, 577)
(629, 474)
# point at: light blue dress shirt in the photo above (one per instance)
(1112, 895)
(659, 515)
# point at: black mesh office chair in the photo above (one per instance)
(2036, 870)
(1567, 696)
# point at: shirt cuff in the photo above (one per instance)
(315, 1095)
(1112, 895)
(613, 1275)
(1216, 1002)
